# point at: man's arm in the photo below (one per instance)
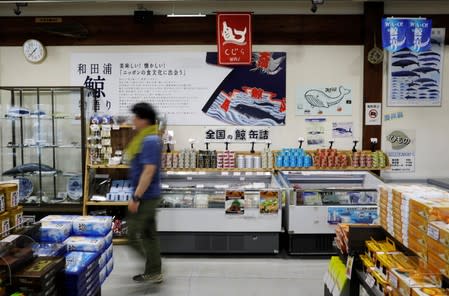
(145, 179)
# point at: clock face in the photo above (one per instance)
(34, 51)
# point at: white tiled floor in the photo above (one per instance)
(219, 276)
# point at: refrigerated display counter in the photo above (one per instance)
(319, 200)
(220, 212)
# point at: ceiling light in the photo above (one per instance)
(186, 15)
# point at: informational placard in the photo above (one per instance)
(235, 202)
(400, 149)
(315, 131)
(234, 38)
(237, 135)
(414, 78)
(373, 113)
(269, 202)
(177, 84)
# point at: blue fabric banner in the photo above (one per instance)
(394, 34)
(418, 35)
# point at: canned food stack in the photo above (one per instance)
(330, 158)
(187, 159)
(293, 158)
(226, 159)
(368, 159)
(207, 159)
(267, 159)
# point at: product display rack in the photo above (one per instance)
(318, 200)
(38, 128)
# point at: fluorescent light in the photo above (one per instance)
(186, 15)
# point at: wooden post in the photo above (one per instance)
(372, 74)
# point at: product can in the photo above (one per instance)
(11, 195)
(257, 162)
(249, 162)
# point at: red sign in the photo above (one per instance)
(234, 38)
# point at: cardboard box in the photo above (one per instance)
(437, 264)
(418, 221)
(438, 249)
(419, 249)
(431, 209)
(439, 230)
(417, 235)
(403, 281)
(430, 292)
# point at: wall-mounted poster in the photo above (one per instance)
(328, 100)
(414, 79)
(269, 202)
(189, 87)
(315, 131)
(235, 202)
(342, 130)
(251, 95)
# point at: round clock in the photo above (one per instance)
(34, 51)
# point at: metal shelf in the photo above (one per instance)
(120, 241)
(107, 203)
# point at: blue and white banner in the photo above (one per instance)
(394, 34)
(419, 35)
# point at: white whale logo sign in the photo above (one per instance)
(399, 140)
(233, 36)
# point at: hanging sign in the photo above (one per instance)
(234, 38)
(394, 33)
(418, 35)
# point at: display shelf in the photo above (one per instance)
(46, 117)
(362, 277)
(106, 166)
(42, 146)
(120, 241)
(53, 208)
(344, 169)
(107, 203)
(125, 166)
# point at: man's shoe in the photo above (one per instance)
(149, 278)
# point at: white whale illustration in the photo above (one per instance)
(318, 98)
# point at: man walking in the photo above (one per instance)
(144, 154)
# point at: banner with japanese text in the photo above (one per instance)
(234, 38)
(189, 88)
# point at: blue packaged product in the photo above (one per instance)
(109, 266)
(109, 252)
(88, 286)
(102, 260)
(49, 250)
(292, 161)
(103, 276)
(286, 162)
(108, 239)
(85, 244)
(60, 218)
(300, 161)
(78, 267)
(279, 161)
(92, 225)
(55, 232)
(308, 161)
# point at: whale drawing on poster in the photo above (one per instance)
(329, 100)
(414, 79)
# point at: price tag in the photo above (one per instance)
(260, 173)
(165, 186)
(393, 280)
(189, 178)
(349, 264)
(242, 178)
(433, 232)
(370, 281)
(115, 127)
(225, 173)
(249, 173)
(199, 185)
(236, 173)
(201, 173)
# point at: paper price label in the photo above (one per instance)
(393, 281)
(260, 173)
(433, 232)
(199, 185)
(370, 281)
(115, 127)
(237, 174)
(249, 173)
(189, 178)
(349, 264)
(225, 173)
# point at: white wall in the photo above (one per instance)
(306, 65)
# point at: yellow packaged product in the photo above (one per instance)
(2, 200)
(368, 264)
(403, 281)
(430, 292)
(439, 231)
(418, 248)
(4, 224)
(381, 283)
(418, 221)
(379, 246)
(16, 218)
(11, 192)
(438, 264)
(438, 249)
(431, 209)
(387, 261)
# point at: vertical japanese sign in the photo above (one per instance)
(234, 40)
(394, 34)
(418, 35)
(401, 150)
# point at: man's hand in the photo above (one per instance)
(133, 206)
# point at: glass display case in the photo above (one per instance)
(319, 200)
(220, 212)
(42, 143)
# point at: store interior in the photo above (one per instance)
(316, 167)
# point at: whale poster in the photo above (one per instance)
(324, 100)
(253, 95)
(414, 79)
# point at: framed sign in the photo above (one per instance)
(234, 38)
